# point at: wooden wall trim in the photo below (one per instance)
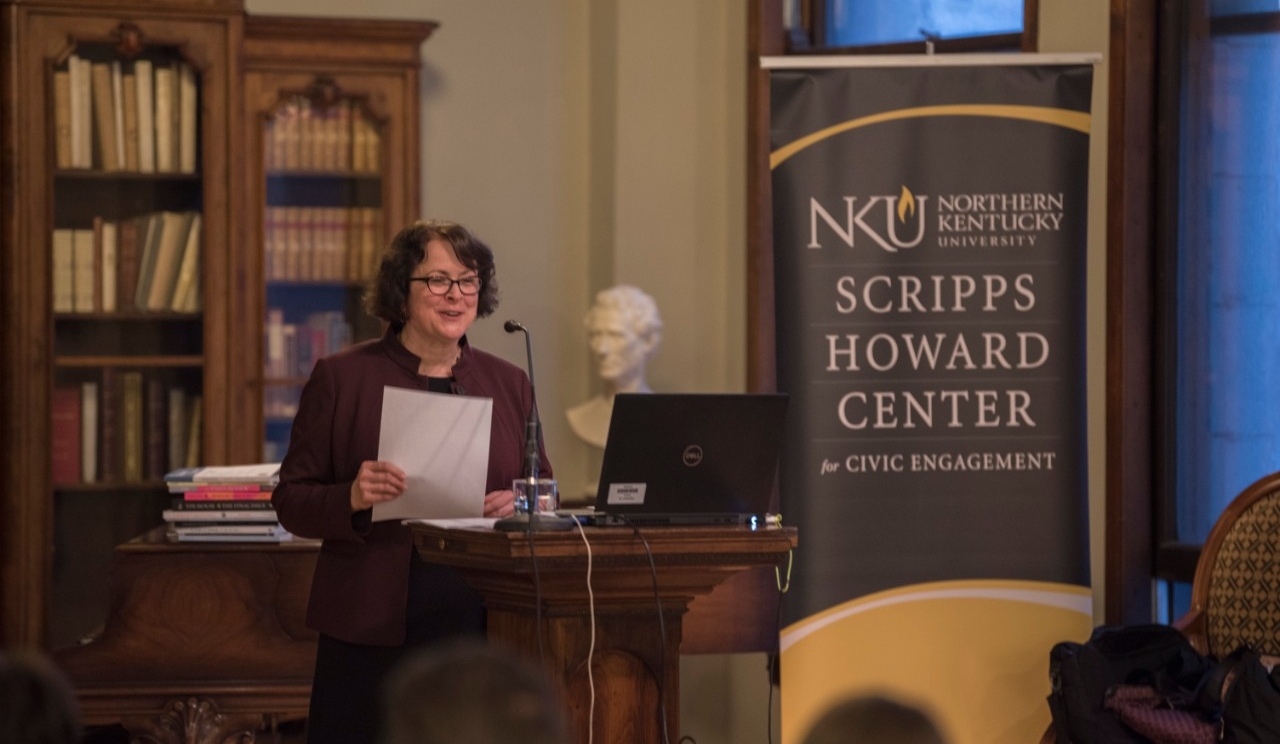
(1130, 313)
(766, 37)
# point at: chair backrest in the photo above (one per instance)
(1237, 581)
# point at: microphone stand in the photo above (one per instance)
(531, 520)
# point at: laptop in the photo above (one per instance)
(690, 459)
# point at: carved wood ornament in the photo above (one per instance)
(196, 721)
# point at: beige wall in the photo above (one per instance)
(595, 142)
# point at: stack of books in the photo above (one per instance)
(229, 503)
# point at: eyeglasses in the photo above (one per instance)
(439, 284)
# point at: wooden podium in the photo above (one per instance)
(527, 579)
(204, 642)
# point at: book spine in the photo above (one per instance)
(218, 488)
(110, 458)
(131, 407)
(129, 108)
(156, 446)
(181, 504)
(195, 433)
(104, 117)
(109, 265)
(127, 263)
(81, 112)
(187, 113)
(89, 432)
(83, 274)
(227, 496)
(63, 156)
(145, 75)
(65, 448)
(63, 270)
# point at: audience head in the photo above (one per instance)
(469, 692)
(873, 719)
(37, 705)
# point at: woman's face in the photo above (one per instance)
(436, 318)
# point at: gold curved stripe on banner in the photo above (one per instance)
(975, 653)
(1077, 120)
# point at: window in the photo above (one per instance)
(869, 22)
(906, 25)
(1220, 310)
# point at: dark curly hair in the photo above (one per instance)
(388, 293)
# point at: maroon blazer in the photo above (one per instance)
(358, 593)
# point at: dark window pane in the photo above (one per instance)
(1242, 7)
(1228, 318)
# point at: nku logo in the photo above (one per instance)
(883, 219)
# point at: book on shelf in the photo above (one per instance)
(185, 296)
(148, 245)
(98, 272)
(104, 119)
(84, 271)
(177, 430)
(111, 457)
(129, 120)
(63, 270)
(219, 516)
(187, 113)
(131, 426)
(117, 110)
(144, 76)
(195, 431)
(173, 241)
(128, 261)
(63, 156)
(80, 72)
(89, 432)
(166, 105)
(108, 263)
(155, 452)
(64, 452)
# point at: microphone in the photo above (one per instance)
(531, 520)
(533, 427)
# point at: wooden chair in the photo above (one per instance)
(1235, 596)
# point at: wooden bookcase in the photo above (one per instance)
(59, 532)
(58, 535)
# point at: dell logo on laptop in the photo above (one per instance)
(692, 456)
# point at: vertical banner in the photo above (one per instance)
(929, 255)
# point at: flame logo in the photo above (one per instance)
(906, 205)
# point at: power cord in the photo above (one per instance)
(591, 648)
(662, 630)
(784, 586)
(537, 590)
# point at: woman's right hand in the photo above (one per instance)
(377, 482)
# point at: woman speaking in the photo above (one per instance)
(372, 596)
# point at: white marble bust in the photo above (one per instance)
(623, 330)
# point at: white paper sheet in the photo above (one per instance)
(441, 442)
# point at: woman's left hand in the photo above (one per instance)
(499, 504)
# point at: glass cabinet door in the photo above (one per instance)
(322, 228)
(126, 254)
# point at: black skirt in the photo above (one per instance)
(346, 690)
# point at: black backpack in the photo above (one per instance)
(1082, 674)
(1248, 697)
